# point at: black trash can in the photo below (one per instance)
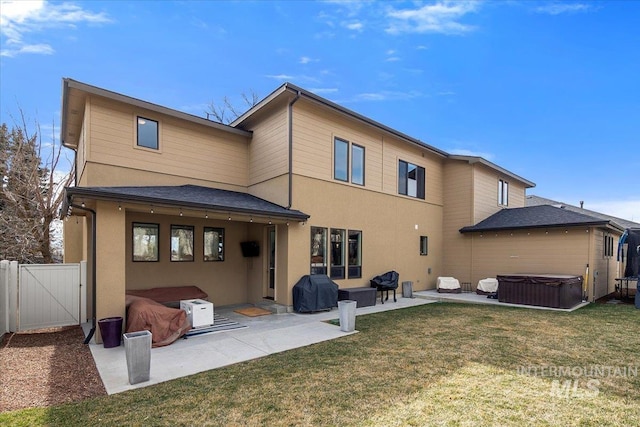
(111, 331)
(638, 293)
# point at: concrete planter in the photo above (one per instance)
(347, 311)
(137, 348)
(407, 289)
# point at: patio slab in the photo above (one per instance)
(473, 298)
(264, 335)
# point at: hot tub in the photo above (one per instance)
(546, 290)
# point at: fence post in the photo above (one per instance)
(13, 296)
(83, 292)
(4, 297)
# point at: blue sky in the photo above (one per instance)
(549, 90)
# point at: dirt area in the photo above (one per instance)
(46, 368)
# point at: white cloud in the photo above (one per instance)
(319, 90)
(387, 96)
(393, 59)
(441, 17)
(307, 60)
(354, 26)
(20, 19)
(279, 76)
(559, 8)
(625, 209)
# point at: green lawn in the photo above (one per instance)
(437, 364)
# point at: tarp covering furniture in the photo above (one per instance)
(386, 282)
(448, 285)
(166, 324)
(546, 290)
(314, 292)
(487, 286)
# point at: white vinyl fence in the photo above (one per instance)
(35, 296)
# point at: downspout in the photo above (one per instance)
(291, 148)
(93, 270)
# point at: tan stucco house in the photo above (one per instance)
(296, 185)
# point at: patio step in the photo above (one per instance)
(274, 307)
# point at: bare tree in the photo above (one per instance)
(31, 192)
(226, 112)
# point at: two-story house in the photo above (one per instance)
(297, 185)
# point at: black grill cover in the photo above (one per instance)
(314, 292)
(633, 253)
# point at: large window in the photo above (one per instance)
(337, 253)
(503, 192)
(348, 164)
(145, 242)
(181, 243)
(213, 244)
(318, 250)
(411, 180)
(340, 248)
(355, 254)
(147, 135)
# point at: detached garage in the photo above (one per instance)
(547, 240)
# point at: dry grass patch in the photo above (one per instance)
(439, 364)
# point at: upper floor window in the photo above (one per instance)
(411, 180)
(503, 192)
(340, 160)
(343, 158)
(147, 135)
(357, 164)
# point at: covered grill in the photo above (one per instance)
(314, 292)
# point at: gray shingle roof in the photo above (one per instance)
(542, 216)
(190, 196)
(537, 201)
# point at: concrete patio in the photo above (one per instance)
(263, 335)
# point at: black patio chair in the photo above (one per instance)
(386, 282)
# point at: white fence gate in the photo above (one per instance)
(44, 295)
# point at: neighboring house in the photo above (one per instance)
(164, 198)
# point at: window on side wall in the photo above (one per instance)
(355, 254)
(318, 250)
(503, 192)
(411, 180)
(147, 133)
(337, 253)
(424, 245)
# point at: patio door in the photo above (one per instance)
(271, 263)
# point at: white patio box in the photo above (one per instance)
(199, 312)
